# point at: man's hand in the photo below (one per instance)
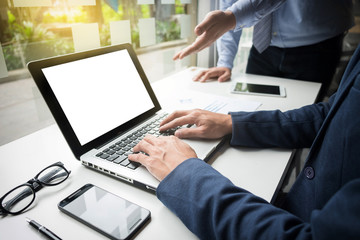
(222, 73)
(208, 125)
(215, 24)
(165, 154)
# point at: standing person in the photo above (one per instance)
(324, 202)
(304, 37)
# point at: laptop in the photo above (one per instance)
(103, 104)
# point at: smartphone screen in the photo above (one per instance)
(252, 88)
(105, 212)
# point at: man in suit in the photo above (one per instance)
(323, 203)
(297, 39)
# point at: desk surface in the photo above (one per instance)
(257, 170)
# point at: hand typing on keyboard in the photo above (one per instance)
(119, 151)
(208, 125)
(165, 154)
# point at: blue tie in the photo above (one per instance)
(262, 33)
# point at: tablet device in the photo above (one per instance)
(258, 89)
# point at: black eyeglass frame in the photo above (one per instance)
(35, 184)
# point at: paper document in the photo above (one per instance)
(210, 102)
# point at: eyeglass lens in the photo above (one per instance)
(19, 199)
(52, 175)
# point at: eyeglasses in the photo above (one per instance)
(21, 197)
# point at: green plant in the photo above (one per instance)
(167, 31)
(135, 37)
(105, 38)
(12, 61)
(30, 32)
(179, 7)
(30, 41)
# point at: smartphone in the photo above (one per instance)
(105, 212)
(259, 89)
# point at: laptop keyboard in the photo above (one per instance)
(118, 152)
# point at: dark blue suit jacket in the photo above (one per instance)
(324, 202)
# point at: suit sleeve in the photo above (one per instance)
(213, 208)
(291, 129)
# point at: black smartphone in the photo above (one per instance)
(259, 89)
(105, 212)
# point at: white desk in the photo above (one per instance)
(257, 170)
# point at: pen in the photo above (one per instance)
(43, 230)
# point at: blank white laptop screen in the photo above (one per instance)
(99, 93)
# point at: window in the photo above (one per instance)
(35, 29)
